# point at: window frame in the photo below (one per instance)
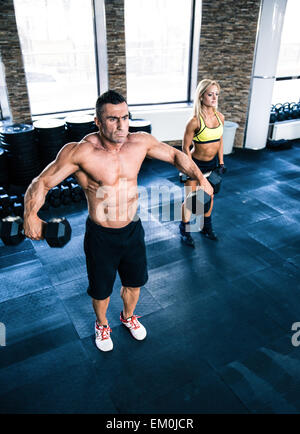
(288, 77)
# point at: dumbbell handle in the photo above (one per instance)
(43, 230)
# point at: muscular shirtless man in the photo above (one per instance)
(106, 165)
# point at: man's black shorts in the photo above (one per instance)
(110, 250)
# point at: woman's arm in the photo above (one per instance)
(189, 133)
(220, 151)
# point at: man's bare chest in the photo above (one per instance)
(108, 169)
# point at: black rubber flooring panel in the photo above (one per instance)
(267, 381)
(219, 317)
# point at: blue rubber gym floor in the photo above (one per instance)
(219, 317)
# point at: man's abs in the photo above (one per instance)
(111, 205)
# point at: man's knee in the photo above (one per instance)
(129, 289)
(100, 302)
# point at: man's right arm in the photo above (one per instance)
(64, 165)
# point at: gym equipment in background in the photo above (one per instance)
(51, 136)
(24, 162)
(79, 126)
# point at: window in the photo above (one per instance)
(286, 91)
(5, 114)
(287, 85)
(58, 45)
(158, 36)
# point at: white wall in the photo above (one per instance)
(167, 123)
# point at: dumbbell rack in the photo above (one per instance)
(11, 204)
(284, 125)
(66, 193)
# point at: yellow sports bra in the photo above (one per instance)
(206, 134)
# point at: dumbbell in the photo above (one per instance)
(273, 115)
(214, 179)
(295, 110)
(65, 194)
(183, 177)
(221, 169)
(280, 112)
(4, 200)
(57, 232)
(198, 202)
(69, 180)
(18, 209)
(15, 206)
(11, 204)
(75, 192)
(54, 197)
(5, 203)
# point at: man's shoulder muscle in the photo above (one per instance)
(83, 149)
(140, 137)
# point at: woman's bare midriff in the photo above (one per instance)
(205, 151)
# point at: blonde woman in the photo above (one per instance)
(204, 132)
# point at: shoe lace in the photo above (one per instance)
(134, 322)
(103, 332)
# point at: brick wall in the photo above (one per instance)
(13, 64)
(115, 33)
(227, 42)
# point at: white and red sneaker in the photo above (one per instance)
(102, 337)
(137, 330)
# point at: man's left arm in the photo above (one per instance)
(169, 154)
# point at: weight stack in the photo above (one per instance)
(24, 162)
(139, 125)
(51, 136)
(79, 126)
(4, 177)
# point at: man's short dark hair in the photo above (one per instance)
(109, 97)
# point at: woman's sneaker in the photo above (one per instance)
(103, 339)
(137, 330)
(209, 233)
(185, 236)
